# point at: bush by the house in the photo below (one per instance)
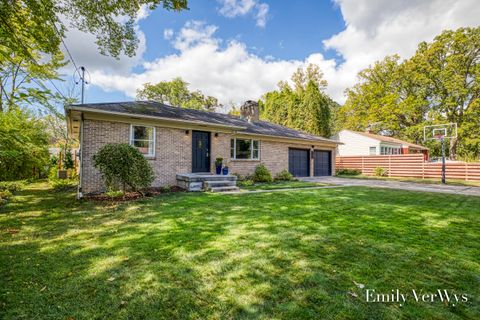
(262, 174)
(284, 175)
(122, 166)
(348, 172)
(115, 194)
(245, 183)
(380, 172)
(60, 185)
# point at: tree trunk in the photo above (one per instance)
(453, 149)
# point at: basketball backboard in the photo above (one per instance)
(440, 131)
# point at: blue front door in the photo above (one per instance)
(200, 151)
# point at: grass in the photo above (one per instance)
(453, 182)
(281, 185)
(285, 255)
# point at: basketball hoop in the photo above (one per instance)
(440, 132)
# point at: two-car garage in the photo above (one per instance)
(299, 162)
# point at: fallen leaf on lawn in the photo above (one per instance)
(43, 288)
(111, 279)
(360, 285)
(353, 294)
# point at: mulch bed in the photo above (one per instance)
(132, 195)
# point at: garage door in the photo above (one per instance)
(322, 165)
(298, 162)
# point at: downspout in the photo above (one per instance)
(80, 174)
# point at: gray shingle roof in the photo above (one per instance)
(156, 109)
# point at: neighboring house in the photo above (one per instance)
(355, 143)
(178, 140)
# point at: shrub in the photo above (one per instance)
(68, 160)
(380, 172)
(348, 172)
(122, 165)
(245, 183)
(60, 185)
(53, 173)
(165, 189)
(219, 161)
(53, 160)
(4, 195)
(12, 186)
(115, 194)
(262, 174)
(284, 176)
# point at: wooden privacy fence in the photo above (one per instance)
(410, 165)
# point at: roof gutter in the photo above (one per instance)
(291, 138)
(155, 118)
(235, 128)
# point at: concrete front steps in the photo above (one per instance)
(207, 182)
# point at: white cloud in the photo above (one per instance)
(376, 28)
(262, 14)
(167, 34)
(236, 8)
(194, 33)
(231, 72)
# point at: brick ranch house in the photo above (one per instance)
(182, 141)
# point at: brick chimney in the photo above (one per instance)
(249, 111)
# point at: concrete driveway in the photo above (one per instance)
(412, 186)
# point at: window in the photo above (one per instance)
(373, 150)
(143, 138)
(390, 150)
(245, 149)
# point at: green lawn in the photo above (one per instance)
(453, 182)
(284, 255)
(281, 185)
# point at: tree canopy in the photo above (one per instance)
(42, 22)
(177, 94)
(438, 84)
(305, 106)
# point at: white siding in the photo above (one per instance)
(355, 144)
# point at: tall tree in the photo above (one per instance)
(438, 84)
(314, 104)
(304, 107)
(23, 145)
(177, 94)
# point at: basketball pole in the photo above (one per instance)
(443, 160)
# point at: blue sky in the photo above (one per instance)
(239, 49)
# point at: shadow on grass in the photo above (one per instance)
(279, 255)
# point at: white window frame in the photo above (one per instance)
(149, 155)
(370, 151)
(251, 149)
